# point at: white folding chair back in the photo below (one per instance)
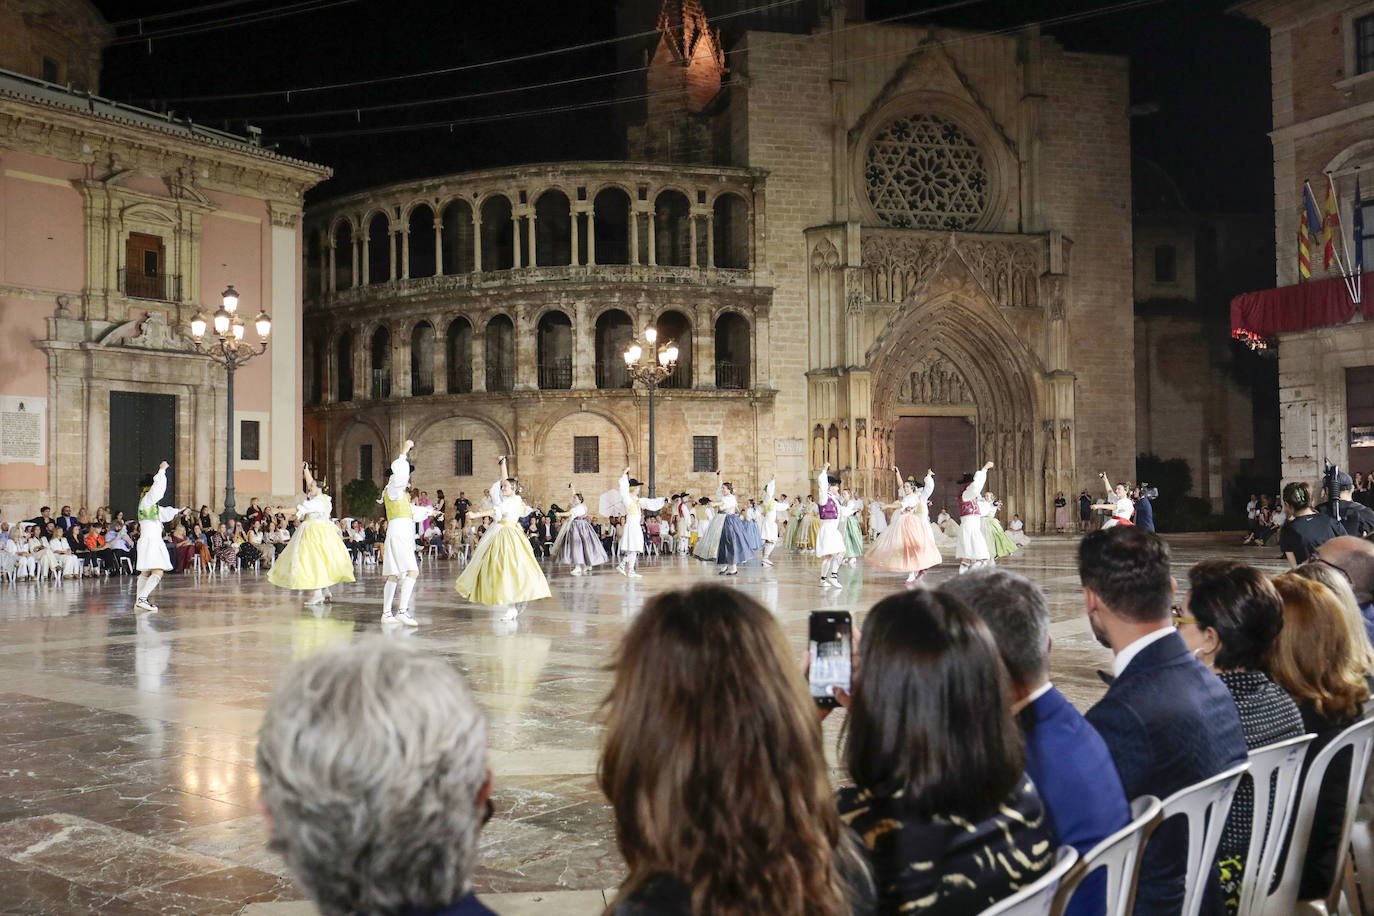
(1284, 901)
(1275, 770)
(1206, 805)
(1119, 854)
(1035, 899)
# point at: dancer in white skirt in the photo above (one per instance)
(774, 511)
(686, 525)
(829, 540)
(973, 544)
(577, 544)
(153, 560)
(1017, 532)
(1119, 502)
(632, 539)
(398, 550)
(877, 518)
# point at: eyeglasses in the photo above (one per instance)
(1177, 613)
(1316, 559)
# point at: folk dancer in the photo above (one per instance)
(734, 545)
(632, 538)
(398, 550)
(829, 542)
(1118, 502)
(774, 512)
(153, 560)
(849, 529)
(908, 544)
(577, 544)
(973, 544)
(999, 545)
(1017, 532)
(686, 525)
(503, 572)
(877, 518)
(316, 558)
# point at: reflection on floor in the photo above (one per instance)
(126, 754)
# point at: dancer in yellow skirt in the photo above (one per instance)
(316, 558)
(503, 571)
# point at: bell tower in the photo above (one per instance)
(683, 77)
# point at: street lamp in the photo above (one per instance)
(231, 351)
(651, 374)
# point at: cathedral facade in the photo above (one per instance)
(875, 244)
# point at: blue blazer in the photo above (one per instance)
(1168, 723)
(1069, 763)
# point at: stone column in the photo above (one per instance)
(354, 249)
(576, 254)
(532, 257)
(584, 346)
(329, 282)
(438, 247)
(476, 242)
(591, 237)
(526, 352)
(632, 221)
(517, 255)
(440, 354)
(653, 245)
(479, 357)
(691, 239)
(362, 367)
(704, 344)
(402, 385)
(404, 238)
(710, 240)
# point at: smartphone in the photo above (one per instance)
(830, 636)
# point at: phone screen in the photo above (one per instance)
(830, 646)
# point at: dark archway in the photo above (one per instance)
(420, 238)
(314, 276)
(555, 351)
(458, 238)
(422, 359)
(552, 229)
(731, 228)
(677, 327)
(498, 234)
(343, 255)
(672, 235)
(614, 331)
(378, 249)
(500, 352)
(458, 339)
(611, 212)
(343, 366)
(732, 351)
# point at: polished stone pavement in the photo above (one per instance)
(126, 753)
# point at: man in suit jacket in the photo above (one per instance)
(1167, 720)
(1065, 756)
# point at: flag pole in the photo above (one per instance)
(1342, 263)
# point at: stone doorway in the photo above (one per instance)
(948, 445)
(142, 434)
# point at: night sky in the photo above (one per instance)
(1206, 71)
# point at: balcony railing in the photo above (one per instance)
(556, 374)
(731, 375)
(460, 378)
(381, 383)
(137, 285)
(612, 375)
(500, 378)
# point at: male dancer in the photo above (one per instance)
(632, 539)
(153, 560)
(774, 511)
(398, 551)
(973, 544)
(829, 541)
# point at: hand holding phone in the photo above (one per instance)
(830, 647)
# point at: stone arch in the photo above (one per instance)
(730, 223)
(498, 232)
(672, 216)
(418, 431)
(552, 228)
(435, 453)
(346, 455)
(627, 437)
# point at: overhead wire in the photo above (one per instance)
(306, 6)
(452, 123)
(177, 14)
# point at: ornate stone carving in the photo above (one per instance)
(935, 382)
(154, 333)
(1008, 267)
(900, 263)
(825, 256)
(925, 172)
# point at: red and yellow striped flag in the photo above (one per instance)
(1304, 245)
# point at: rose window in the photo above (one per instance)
(924, 172)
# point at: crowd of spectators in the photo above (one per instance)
(964, 768)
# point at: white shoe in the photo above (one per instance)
(911, 579)
(767, 562)
(835, 582)
(314, 601)
(634, 575)
(405, 618)
(621, 569)
(328, 597)
(511, 613)
(143, 604)
(388, 617)
(577, 571)
(825, 583)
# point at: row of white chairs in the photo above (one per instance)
(1274, 770)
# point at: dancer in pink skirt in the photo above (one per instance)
(908, 545)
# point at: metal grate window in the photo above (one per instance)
(365, 462)
(1166, 264)
(462, 457)
(704, 453)
(586, 455)
(1364, 44)
(250, 433)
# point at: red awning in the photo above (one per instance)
(1313, 304)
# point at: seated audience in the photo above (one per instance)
(1335, 580)
(1306, 529)
(1353, 558)
(1314, 660)
(1230, 618)
(1066, 758)
(706, 696)
(940, 797)
(1168, 721)
(373, 768)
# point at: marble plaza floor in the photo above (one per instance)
(126, 743)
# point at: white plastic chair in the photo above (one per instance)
(1119, 854)
(1284, 901)
(1206, 805)
(1036, 898)
(1275, 770)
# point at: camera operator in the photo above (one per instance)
(1357, 518)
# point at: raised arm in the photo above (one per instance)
(157, 490)
(1107, 484)
(624, 485)
(823, 481)
(307, 476)
(400, 471)
(928, 486)
(769, 489)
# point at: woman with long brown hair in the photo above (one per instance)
(714, 764)
(1316, 661)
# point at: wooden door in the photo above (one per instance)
(145, 267)
(944, 444)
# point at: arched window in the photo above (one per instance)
(422, 359)
(420, 233)
(552, 229)
(614, 331)
(500, 346)
(381, 363)
(611, 209)
(676, 327)
(555, 351)
(313, 275)
(458, 238)
(672, 237)
(343, 255)
(343, 365)
(731, 222)
(498, 234)
(732, 351)
(314, 376)
(378, 249)
(459, 341)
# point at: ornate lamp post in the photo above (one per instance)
(231, 351)
(651, 374)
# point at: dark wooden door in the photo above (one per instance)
(944, 444)
(144, 267)
(142, 434)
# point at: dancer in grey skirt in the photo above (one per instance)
(578, 544)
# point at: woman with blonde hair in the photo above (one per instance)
(713, 763)
(1315, 660)
(1334, 578)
